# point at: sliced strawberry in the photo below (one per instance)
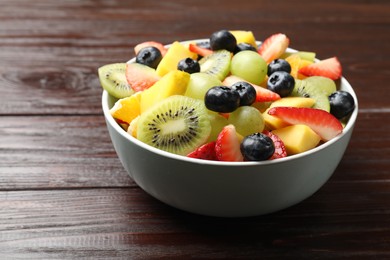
(323, 123)
(158, 45)
(199, 50)
(330, 68)
(273, 47)
(140, 77)
(280, 149)
(262, 94)
(205, 152)
(227, 146)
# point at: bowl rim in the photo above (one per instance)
(348, 127)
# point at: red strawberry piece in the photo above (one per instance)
(323, 123)
(140, 77)
(205, 152)
(280, 149)
(227, 146)
(330, 68)
(262, 94)
(273, 47)
(158, 45)
(199, 50)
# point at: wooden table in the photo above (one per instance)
(63, 192)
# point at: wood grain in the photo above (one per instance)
(63, 191)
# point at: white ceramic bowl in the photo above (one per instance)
(228, 189)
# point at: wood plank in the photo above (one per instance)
(49, 54)
(57, 151)
(127, 223)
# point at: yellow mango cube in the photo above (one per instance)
(175, 53)
(126, 109)
(298, 138)
(173, 83)
(244, 36)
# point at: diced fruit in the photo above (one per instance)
(341, 104)
(200, 83)
(247, 120)
(205, 152)
(217, 122)
(199, 50)
(173, 83)
(296, 63)
(177, 124)
(297, 138)
(149, 56)
(223, 40)
(189, 65)
(126, 109)
(281, 82)
(316, 87)
(250, 66)
(132, 129)
(112, 77)
(323, 123)
(244, 37)
(175, 53)
(257, 147)
(273, 122)
(262, 94)
(280, 148)
(227, 146)
(216, 64)
(330, 68)
(274, 46)
(140, 77)
(306, 55)
(158, 45)
(222, 99)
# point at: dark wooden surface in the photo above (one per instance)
(63, 192)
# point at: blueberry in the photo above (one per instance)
(281, 82)
(341, 104)
(149, 56)
(223, 40)
(247, 93)
(278, 65)
(257, 147)
(188, 65)
(222, 99)
(243, 46)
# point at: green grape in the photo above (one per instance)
(217, 122)
(250, 66)
(199, 84)
(247, 120)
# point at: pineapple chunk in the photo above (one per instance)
(272, 122)
(173, 83)
(298, 138)
(175, 53)
(244, 36)
(126, 109)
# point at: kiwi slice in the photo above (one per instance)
(303, 89)
(113, 79)
(217, 64)
(177, 124)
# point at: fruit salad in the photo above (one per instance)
(229, 97)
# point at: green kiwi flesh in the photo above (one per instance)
(177, 124)
(113, 79)
(318, 88)
(217, 64)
